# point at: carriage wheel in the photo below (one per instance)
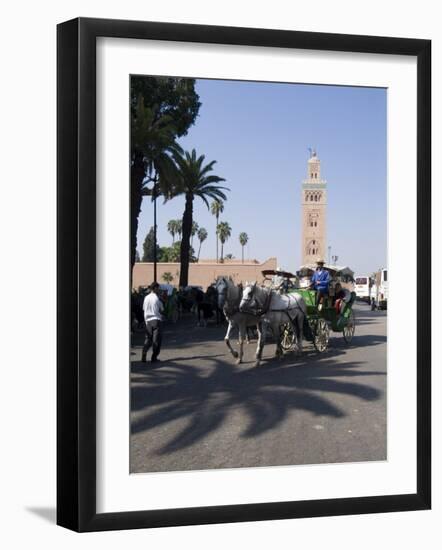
(321, 336)
(288, 337)
(349, 328)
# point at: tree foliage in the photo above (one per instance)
(162, 109)
(243, 240)
(224, 231)
(196, 180)
(167, 277)
(148, 247)
(174, 97)
(173, 227)
(217, 208)
(173, 253)
(202, 236)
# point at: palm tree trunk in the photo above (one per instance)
(222, 252)
(155, 259)
(185, 241)
(242, 253)
(216, 234)
(199, 250)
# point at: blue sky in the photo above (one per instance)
(259, 134)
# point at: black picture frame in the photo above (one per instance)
(76, 274)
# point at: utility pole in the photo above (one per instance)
(154, 196)
(329, 250)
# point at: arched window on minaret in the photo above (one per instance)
(312, 248)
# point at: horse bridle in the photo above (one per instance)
(261, 308)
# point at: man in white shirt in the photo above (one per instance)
(152, 307)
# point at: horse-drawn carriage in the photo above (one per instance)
(335, 313)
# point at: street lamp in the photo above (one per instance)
(153, 193)
(154, 198)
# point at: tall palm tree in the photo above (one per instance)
(172, 227)
(195, 181)
(217, 207)
(153, 171)
(202, 236)
(193, 232)
(179, 226)
(243, 240)
(224, 231)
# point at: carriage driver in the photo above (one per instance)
(320, 282)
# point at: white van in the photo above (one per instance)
(363, 285)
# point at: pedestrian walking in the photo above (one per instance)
(153, 308)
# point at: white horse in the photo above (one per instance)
(276, 310)
(229, 298)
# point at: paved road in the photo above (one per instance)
(198, 410)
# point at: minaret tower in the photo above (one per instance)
(314, 210)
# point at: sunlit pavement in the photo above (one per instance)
(197, 409)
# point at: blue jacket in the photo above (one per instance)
(321, 280)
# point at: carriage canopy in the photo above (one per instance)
(334, 270)
(273, 272)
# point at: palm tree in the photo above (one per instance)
(217, 207)
(243, 240)
(193, 232)
(179, 228)
(167, 277)
(202, 236)
(153, 144)
(172, 227)
(224, 231)
(195, 181)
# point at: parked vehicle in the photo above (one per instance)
(363, 284)
(379, 290)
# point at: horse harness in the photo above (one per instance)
(265, 309)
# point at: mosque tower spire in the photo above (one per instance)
(314, 212)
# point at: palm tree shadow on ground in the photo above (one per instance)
(267, 395)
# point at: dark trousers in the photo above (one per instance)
(154, 333)
(320, 295)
